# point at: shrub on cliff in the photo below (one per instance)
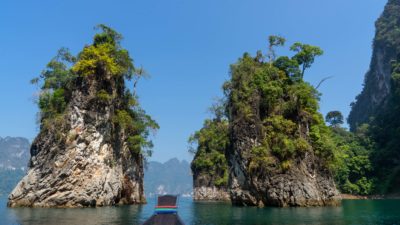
(353, 169)
(102, 60)
(209, 145)
(273, 95)
(385, 132)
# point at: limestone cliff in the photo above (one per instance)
(386, 47)
(85, 153)
(205, 189)
(280, 148)
(209, 166)
(306, 183)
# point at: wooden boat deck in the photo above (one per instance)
(165, 212)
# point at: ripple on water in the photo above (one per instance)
(351, 212)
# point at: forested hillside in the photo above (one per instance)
(376, 109)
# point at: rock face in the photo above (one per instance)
(204, 193)
(209, 166)
(279, 145)
(83, 160)
(204, 189)
(386, 47)
(304, 184)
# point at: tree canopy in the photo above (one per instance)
(334, 118)
(209, 145)
(306, 55)
(104, 59)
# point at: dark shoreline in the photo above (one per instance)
(376, 197)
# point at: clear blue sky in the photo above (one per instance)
(187, 46)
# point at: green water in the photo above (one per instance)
(351, 212)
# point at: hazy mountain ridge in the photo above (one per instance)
(14, 159)
(171, 177)
(14, 153)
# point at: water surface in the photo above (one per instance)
(351, 212)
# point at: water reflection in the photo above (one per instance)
(351, 212)
(105, 215)
(219, 213)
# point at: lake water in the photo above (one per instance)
(192, 213)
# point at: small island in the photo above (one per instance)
(93, 133)
(267, 144)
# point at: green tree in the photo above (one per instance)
(384, 130)
(139, 74)
(209, 145)
(290, 66)
(274, 99)
(334, 118)
(305, 55)
(353, 168)
(274, 41)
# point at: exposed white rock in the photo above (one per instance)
(213, 193)
(90, 165)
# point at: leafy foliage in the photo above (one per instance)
(305, 55)
(385, 131)
(378, 107)
(55, 83)
(104, 60)
(104, 96)
(388, 27)
(272, 95)
(334, 118)
(371, 100)
(273, 42)
(209, 145)
(287, 107)
(353, 170)
(137, 125)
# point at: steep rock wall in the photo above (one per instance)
(386, 48)
(279, 145)
(83, 160)
(205, 189)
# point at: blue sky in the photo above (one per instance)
(187, 47)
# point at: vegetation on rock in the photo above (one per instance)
(385, 132)
(270, 102)
(94, 136)
(376, 109)
(104, 59)
(287, 108)
(209, 145)
(334, 118)
(386, 48)
(353, 167)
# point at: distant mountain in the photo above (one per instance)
(171, 177)
(14, 153)
(14, 157)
